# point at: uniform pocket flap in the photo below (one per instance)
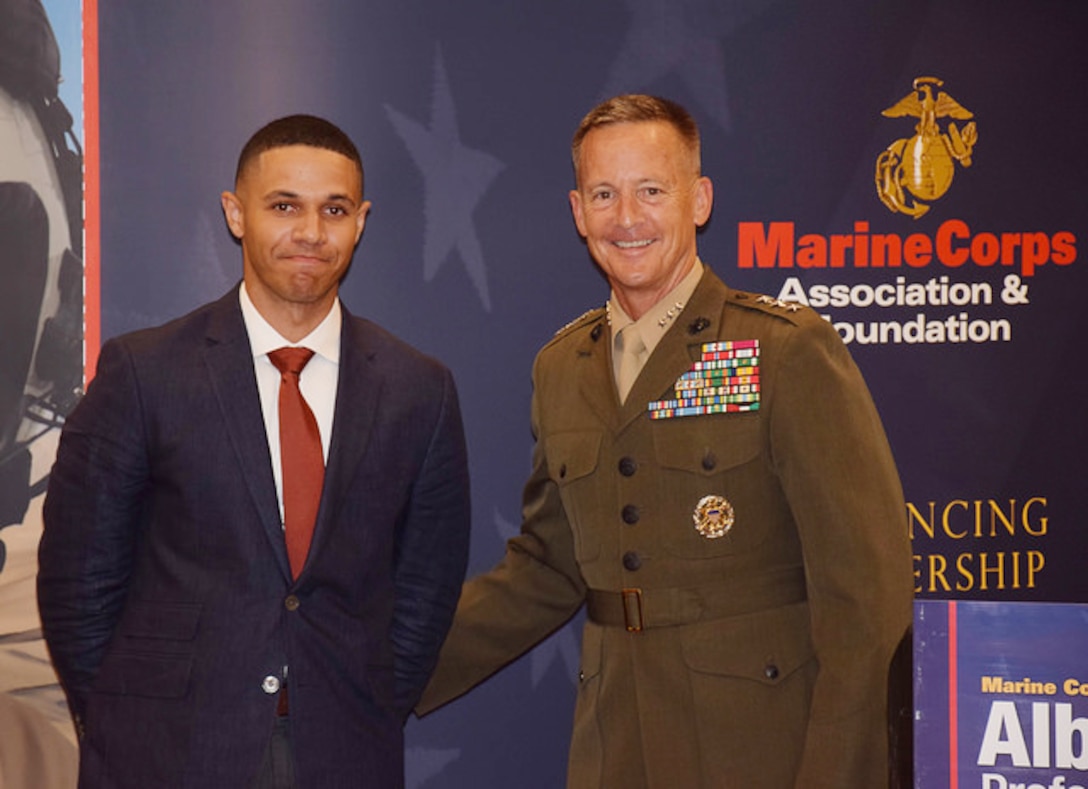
(572, 455)
(592, 645)
(765, 647)
(707, 445)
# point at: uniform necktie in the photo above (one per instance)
(632, 351)
(302, 460)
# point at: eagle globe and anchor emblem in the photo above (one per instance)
(911, 173)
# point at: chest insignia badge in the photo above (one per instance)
(713, 517)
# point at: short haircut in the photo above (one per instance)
(637, 108)
(298, 130)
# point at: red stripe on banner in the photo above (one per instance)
(953, 730)
(92, 304)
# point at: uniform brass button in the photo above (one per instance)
(632, 561)
(630, 514)
(770, 671)
(271, 685)
(581, 676)
(291, 603)
(628, 466)
(709, 461)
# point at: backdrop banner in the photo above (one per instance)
(1001, 695)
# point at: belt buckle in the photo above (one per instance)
(632, 609)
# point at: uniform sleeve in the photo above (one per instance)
(92, 513)
(432, 552)
(836, 467)
(531, 592)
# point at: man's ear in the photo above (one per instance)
(232, 212)
(704, 200)
(577, 213)
(360, 219)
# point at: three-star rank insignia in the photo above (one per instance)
(771, 301)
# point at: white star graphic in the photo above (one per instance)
(455, 180)
(682, 37)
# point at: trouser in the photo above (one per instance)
(278, 769)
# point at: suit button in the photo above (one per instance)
(770, 671)
(632, 561)
(271, 685)
(292, 603)
(709, 461)
(630, 514)
(563, 471)
(628, 466)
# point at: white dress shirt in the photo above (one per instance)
(318, 380)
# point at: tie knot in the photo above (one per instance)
(290, 360)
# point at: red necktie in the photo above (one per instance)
(302, 460)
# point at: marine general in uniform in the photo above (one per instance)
(712, 480)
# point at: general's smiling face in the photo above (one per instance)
(638, 204)
(299, 212)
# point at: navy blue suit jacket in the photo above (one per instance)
(164, 587)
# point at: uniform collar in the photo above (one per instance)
(660, 317)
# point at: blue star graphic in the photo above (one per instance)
(455, 180)
(684, 37)
(423, 764)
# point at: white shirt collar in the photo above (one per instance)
(324, 340)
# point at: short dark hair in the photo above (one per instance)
(637, 108)
(298, 130)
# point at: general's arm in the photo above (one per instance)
(533, 590)
(432, 552)
(92, 513)
(836, 467)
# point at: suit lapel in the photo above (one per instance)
(597, 384)
(358, 394)
(229, 361)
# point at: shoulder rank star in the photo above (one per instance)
(771, 301)
(577, 320)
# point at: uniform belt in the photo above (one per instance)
(640, 609)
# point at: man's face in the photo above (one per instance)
(638, 203)
(299, 212)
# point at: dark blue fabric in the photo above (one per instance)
(165, 592)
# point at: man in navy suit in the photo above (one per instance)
(192, 653)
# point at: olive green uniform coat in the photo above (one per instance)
(763, 658)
